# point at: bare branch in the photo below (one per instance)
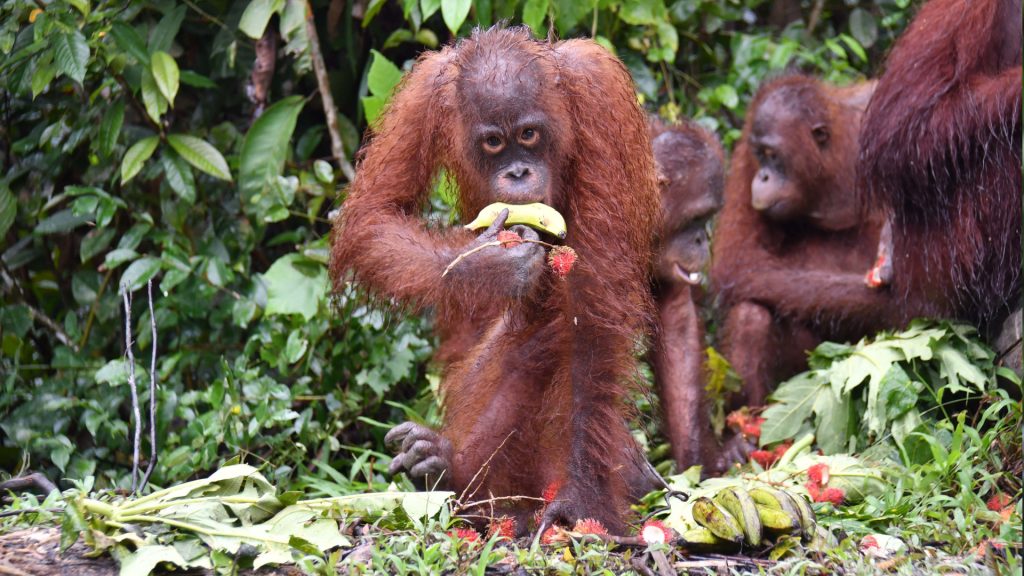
(152, 392)
(131, 383)
(330, 111)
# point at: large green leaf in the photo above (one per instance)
(833, 421)
(200, 154)
(163, 34)
(140, 272)
(534, 12)
(152, 98)
(143, 560)
(8, 210)
(795, 398)
(110, 129)
(265, 147)
(129, 40)
(71, 54)
(257, 15)
(372, 107)
(179, 176)
(454, 13)
(136, 156)
(295, 285)
(43, 74)
(165, 73)
(383, 75)
(61, 222)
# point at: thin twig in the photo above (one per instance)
(45, 320)
(476, 249)
(152, 392)
(131, 382)
(812, 20)
(33, 480)
(483, 467)
(330, 111)
(21, 511)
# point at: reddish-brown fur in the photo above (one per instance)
(786, 283)
(539, 397)
(942, 149)
(692, 167)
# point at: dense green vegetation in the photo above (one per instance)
(146, 142)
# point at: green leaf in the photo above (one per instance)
(295, 285)
(534, 12)
(95, 242)
(863, 27)
(136, 156)
(113, 373)
(726, 95)
(257, 15)
(643, 12)
(265, 147)
(42, 76)
(371, 11)
(795, 398)
(179, 176)
(81, 5)
(115, 258)
(296, 346)
(195, 80)
(423, 505)
(200, 154)
(72, 523)
(383, 75)
(71, 54)
(8, 210)
(61, 222)
(372, 107)
(110, 129)
(397, 37)
(896, 395)
(152, 98)
(142, 561)
(454, 13)
(129, 40)
(323, 171)
(165, 73)
(833, 421)
(140, 272)
(163, 35)
(429, 7)
(955, 368)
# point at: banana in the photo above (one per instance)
(807, 520)
(766, 497)
(738, 502)
(701, 538)
(717, 520)
(777, 520)
(537, 216)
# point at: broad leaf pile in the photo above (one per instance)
(235, 512)
(856, 394)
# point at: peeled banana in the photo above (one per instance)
(538, 216)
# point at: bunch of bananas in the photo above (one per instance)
(737, 515)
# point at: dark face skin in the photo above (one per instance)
(778, 190)
(691, 194)
(686, 252)
(510, 134)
